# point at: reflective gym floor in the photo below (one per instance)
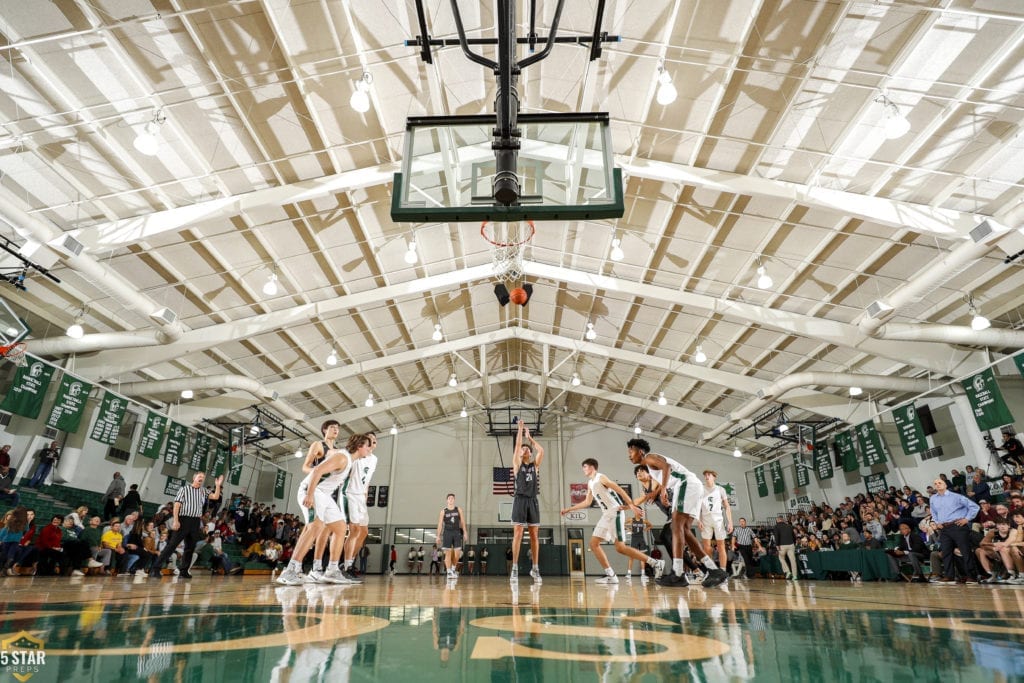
(420, 628)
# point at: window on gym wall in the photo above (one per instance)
(503, 535)
(415, 535)
(375, 535)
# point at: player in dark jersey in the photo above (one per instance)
(451, 529)
(525, 507)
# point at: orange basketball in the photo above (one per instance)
(517, 296)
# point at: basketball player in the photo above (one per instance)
(451, 529)
(316, 492)
(354, 500)
(314, 456)
(612, 526)
(711, 524)
(680, 489)
(525, 507)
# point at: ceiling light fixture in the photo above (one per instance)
(369, 401)
(666, 91)
(437, 336)
(74, 330)
(894, 122)
(148, 141)
(187, 393)
(764, 280)
(662, 401)
(616, 253)
(700, 356)
(360, 100)
(636, 429)
(254, 429)
(453, 381)
(783, 426)
(463, 412)
(332, 357)
(737, 453)
(270, 287)
(576, 381)
(393, 430)
(411, 256)
(591, 332)
(856, 391)
(298, 452)
(978, 321)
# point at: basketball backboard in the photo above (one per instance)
(12, 328)
(565, 169)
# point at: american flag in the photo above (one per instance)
(504, 484)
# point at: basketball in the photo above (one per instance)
(517, 296)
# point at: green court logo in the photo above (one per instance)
(22, 655)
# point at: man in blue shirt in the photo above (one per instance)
(952, 514)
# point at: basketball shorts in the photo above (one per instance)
(638, 541)
(326, 509)
(687, 495)
(714, 527)
(612, 526)
(355, 509)
(525, 511)
(451, 538)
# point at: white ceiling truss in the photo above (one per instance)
(773, 154)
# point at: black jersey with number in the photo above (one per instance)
(452, 521)
(323, 455)
(527, 482)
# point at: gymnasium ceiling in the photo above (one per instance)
(774, 150)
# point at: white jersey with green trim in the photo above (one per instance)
(677, 473)
(359, 475)
(607, 498)
(332, 481)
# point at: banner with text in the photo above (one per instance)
(108, 419)
(987, 404)
(177, 435)
(778, 483)
(152, 435)
(762, 484)
(235, 465)
(910, 431)
(279, 484)
(876, 483)
(173, 485)
(801, 472)
(69, 406)
(200, 451)
(847, 453)
(25, 397)
(822, 461)
(220, 460)
(872, 448)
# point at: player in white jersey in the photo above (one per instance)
(715, 517)
(612, 526)
(681, 490)
(354, 490)
(318, 486)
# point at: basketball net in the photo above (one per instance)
(15, 353)
(508, 242)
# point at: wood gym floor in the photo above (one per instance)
(420, 628)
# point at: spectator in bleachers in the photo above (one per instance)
(113, 541)
(952, 515)
(26, 543)
(1001, 542)
(870, 542)
(1014, 450)
(47, 459)
(980, 490)
(76, 551)
(45, 554)
(78, 516)
(871, 523)
(93, 535)
(5, 456)
(1011, 483)
(987, 514)
(112, 498)
(134, 550)
(958, 482)
(132, 502)
(910, 549)
(14, 524)
(8, 494)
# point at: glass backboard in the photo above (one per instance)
(12, 328)
(565, 170)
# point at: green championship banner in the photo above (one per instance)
(762, 484)
(173, 485)
(876, 483)
(847, 454)
(25, 397)
(152, 435)
(279, 483)
(175, 446)
(220, 460)
(108, 419)
(235, 458)
(1018, 360)
(801, 473)
(69, 406)
(870, 442)
(200, 451)
(822, 462)
(910, 431)
(987, 404)
(778, 483)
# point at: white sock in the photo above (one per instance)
(348, 564)
(678, 566)
(651, 561)
(318, 565)
(709, 563)
(608, 571)
(295, 566)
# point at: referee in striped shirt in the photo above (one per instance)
(188, 510)
(743, 537)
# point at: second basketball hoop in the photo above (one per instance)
(508, 241)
